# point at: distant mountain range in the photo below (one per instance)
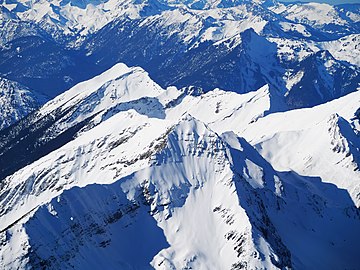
(49, 46)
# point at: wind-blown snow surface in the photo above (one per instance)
(163, 178)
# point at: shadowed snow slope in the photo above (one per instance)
(122, 173)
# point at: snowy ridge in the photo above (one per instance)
(81, 18)
(69, 17)
(120, 84)
(207, 44)
(105, 118)
(226, 48)
(319, 127)
(198, 157)
(237, 148)
(318, 15)
(345, 48)
(153, 168)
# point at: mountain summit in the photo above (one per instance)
(121, 172)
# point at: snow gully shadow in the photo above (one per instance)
(94, 226)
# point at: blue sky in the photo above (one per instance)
(327, 1)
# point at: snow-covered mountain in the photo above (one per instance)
(241, 63)
(81, 18)
(138, 176)
(239, 46)
(330, 19)
(173, 134)
(16, 102)
(345, 48)
(77, 18)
